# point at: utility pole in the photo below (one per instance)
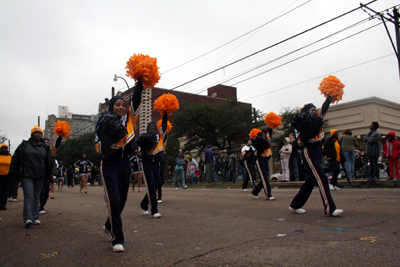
(397, 31)
(38, 121)
(393, 19)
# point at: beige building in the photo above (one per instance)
(357, 116)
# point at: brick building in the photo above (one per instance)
(215, 95)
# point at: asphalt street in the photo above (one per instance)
(209, 227)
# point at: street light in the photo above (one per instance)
(116, 79)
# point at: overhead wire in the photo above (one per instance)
(256, 30)
(285, 55)
(237, 38)
(269, 47)
(321, 76)
(336, 42)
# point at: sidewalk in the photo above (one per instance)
(342, 183)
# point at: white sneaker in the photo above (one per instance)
(185, 187)
(118, 248)
(271, 198)
(300, 211)
(159, 201)
(145, 212)
(156, 215)
(244, 190)
(37, 222)
(108, 233)
(10, 199)
(28, 223)
(336, 188)
(331, 187)
(15, 200)
(42, 212)
(336, 212)
(176, 187)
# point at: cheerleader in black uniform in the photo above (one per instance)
(151, 167)
(115, 135)
(83, 164)
(249, 161)
(308, 128)
(263, 154)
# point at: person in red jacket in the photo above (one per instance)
(391, 150)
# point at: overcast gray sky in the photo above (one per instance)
(66, 52)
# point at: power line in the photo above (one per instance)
(280, 57)
(271, 46)
(237, 38)
(307, 54)
(256, 31)
(286, 87)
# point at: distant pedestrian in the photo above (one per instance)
(372, 150)
(180, 170)
(349, 144)
(201, 168)
(333, 151)
(232, 167)
(61, 173)
(70, 176)
(217, 167)
(35, 162)
(391, 150)
(5, 180)
(192, 169)
(137, 171)
(83, 164)
(209, 162)
(224, 166)
(285, 153)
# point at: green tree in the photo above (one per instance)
(210, 124)
(72, 149)
(3, 138)
(258, 118)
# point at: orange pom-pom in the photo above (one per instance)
(253, 133)
(331, 86)
(169, 125)
(166, 103)
(272, 120)
(143, 67)
(61, 128)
